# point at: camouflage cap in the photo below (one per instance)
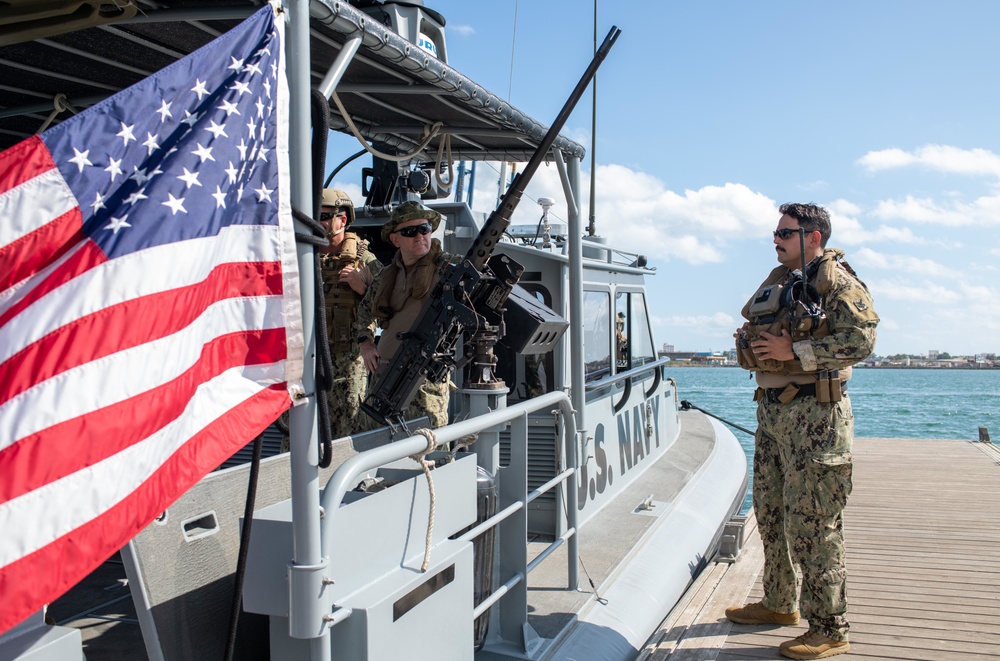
(338, 198)
(409, 211)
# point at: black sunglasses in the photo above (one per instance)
(413, 230)
(330, 215)
(785, 233)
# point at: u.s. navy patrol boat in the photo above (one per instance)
(569, 448)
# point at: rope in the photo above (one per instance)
(444, 145)
(429, 134)
(685, 405)
(427, 465)
(60, 104)
(462, 444)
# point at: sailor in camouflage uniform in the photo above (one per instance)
(801, 341)
(398, 295)
(348, 270)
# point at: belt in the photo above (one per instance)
(771, 395)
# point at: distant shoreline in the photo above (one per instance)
(866, 367)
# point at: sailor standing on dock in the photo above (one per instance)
(808, 323)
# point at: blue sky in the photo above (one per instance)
(711, 114)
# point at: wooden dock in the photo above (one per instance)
(923, 560)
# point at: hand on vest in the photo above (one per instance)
(775, 347)
(357, 279)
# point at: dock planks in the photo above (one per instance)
(923, 560)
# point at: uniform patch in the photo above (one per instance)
(860, 305)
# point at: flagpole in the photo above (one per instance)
(308, 567)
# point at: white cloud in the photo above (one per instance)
(640, 215)
(984, 210)
(942, 158)
(461, 30)
(886, 159)
(904, 264)
(927, 293)
(690, 226)
(849, 231)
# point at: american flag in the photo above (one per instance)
(149, 306)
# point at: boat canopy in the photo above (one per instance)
(396, 93)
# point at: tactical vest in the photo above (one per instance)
(425, 275)
(768, 312)
(341, 300)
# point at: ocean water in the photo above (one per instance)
(887, 403)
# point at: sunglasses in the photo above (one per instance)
(413, 230)
(785, 233)
(330, 215)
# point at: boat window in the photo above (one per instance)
(597, 334)
(633, 339)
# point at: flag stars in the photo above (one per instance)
(260, 108)
(231, 171)
(263, 193)
(126, 133)
(262, 153)
(190, 119)
(117, 224)
(242, 147)
(199, 89)
(216, 130)
(176, 204)
(252, 128)
(164, 110)
(135, 196)
(81, 158)
(97, 204)
(150, 144)
(114, 168)
(220, 198)
(204, 153)
(240, 87)
(252, 68)
(229, 108)
(189, 178)
(237, 65)
(140, 176)
(267, 88)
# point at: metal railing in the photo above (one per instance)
(348, 473)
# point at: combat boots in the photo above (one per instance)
(813, 645)
(758, 613)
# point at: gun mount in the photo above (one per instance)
(468, 292)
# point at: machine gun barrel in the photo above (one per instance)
(499, 220)
(427, 351)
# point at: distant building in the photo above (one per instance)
(668, 348)
(933, 354)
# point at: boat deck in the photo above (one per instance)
(922, 559)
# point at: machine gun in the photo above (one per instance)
(427, 350)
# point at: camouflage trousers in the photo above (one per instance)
(350, 382)
(802, 479)
(431, 400)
